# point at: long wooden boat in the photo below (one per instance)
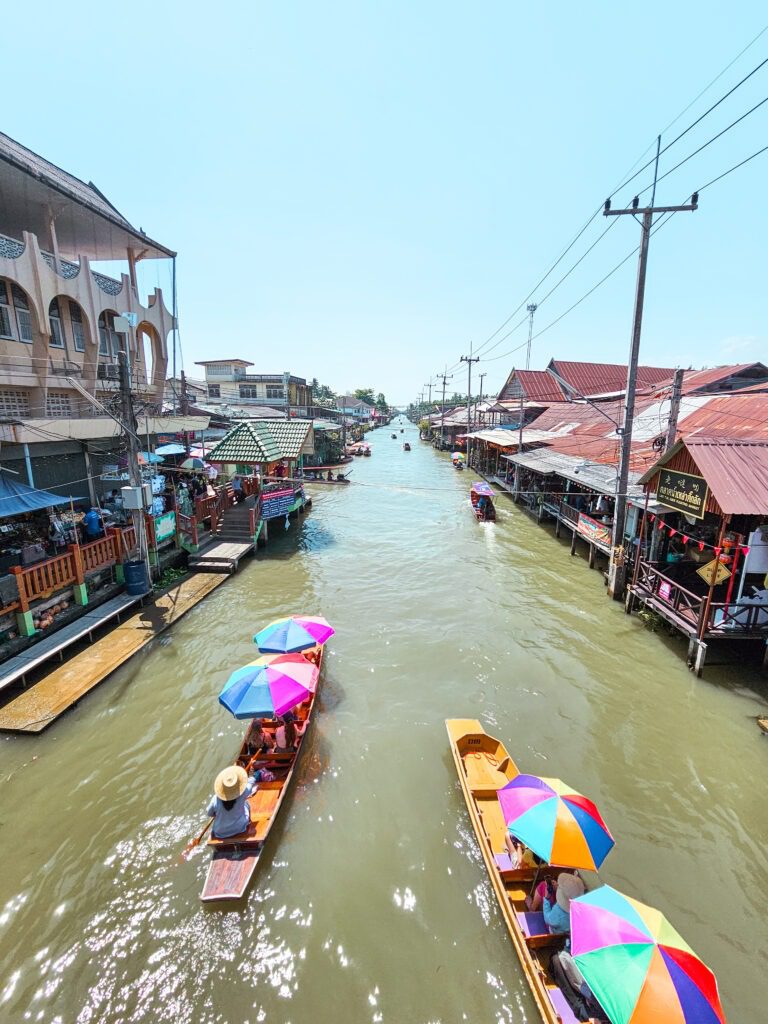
(484, 766)
(486, 513)
(235, 859)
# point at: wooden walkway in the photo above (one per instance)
(220, 556)
(16, 668)
(35, 709)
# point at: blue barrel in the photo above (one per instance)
(136, 578)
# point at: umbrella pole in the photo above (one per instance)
(535, 880)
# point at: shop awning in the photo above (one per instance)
(595, 476)
(16, 498)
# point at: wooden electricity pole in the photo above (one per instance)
(469, 360)
(616, 571)
(443, 377)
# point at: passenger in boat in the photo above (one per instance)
(330, 475)
(259, 740)
(286, 735)
(569, 979)
(556, 905)
(229, 806)
(519, 854)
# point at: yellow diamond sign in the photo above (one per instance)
(714, 572)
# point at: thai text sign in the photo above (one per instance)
(683, 491)
(595, 533)
(165, 526)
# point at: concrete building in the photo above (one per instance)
(228, 382)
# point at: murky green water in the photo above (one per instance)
(371, 903)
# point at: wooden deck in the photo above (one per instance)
(220, 556)
(36, 708)
(16, 668)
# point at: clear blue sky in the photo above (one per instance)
(358, 190)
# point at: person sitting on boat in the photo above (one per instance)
(259, 740)
(229, 806)
(556, 905)
(286, 735)
(519, 854)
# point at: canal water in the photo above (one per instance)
(371, 903)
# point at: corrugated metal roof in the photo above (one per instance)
(745, 374)
(533, 385)
(735, 469)
(264, 441)
(604, 378)
(594, 475)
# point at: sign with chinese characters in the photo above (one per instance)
(683, 492)
(714, 572)
(595, 532)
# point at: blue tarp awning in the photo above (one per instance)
(17, 497)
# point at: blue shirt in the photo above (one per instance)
(558, 920)
(232, 822)
(92, 522)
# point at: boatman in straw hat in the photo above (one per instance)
(229, 806)
(557, 902)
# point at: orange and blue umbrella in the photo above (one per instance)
(560, 825)
(269, 686)
(638, 967)
(295, 633)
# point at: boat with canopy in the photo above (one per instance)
(481, 495)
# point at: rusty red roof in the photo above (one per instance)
(736, 470)
(535, 385)
(744, 374)
(605, 378)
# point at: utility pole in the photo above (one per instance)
(532, 307)
(184, 407)
(480, 399)
(616, 569)
(429, 400)
(674, 409)
(130, 427)
(443, 377)
(469, 360)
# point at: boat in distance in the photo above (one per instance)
(406, 447)
(483, 767)
(235, 859)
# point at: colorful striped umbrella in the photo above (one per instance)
(636, 964)
(560, 825)
(296, 633)
(269, 686)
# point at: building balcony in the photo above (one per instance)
(12, 248)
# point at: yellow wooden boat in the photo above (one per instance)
(484, 766)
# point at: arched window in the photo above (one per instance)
(57, 325)
(15, 314)
(78, 326)
(109, 339)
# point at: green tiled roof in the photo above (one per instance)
(262, 441)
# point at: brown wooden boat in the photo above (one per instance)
(235, 859)
(762, 721)
(483, 767)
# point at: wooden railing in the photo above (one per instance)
(569, 512)
(684, 603)
(187, 525)
(36, 582)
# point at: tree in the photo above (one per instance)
(381, 402)
(322, 394)
(365, 395)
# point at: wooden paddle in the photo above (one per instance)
(195, 842)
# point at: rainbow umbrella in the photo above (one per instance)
(636, 964)
(458, 456)
(269, 686)
(296, 633)
(560, 825)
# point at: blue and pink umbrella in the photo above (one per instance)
(269, 686)
(295, 633)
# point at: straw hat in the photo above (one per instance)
(568, 888)
(231, 782)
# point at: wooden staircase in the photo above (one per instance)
(231, 541)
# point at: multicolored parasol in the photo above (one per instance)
(295, 633)
(560, 825)
(636, 964)
(193, 464)
(458, 456)
(269, 686)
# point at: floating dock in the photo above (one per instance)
(35, 709)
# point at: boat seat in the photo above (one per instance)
(507, 872)
(532, 923)
(562, 1007)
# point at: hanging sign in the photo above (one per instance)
(165, 526)
(714, 572)
(683, 492)
(595, 532)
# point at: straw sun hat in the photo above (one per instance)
(568, 888)
(231, 782)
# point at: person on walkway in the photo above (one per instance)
(229, 806)
(557, 902)
(92, 525)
